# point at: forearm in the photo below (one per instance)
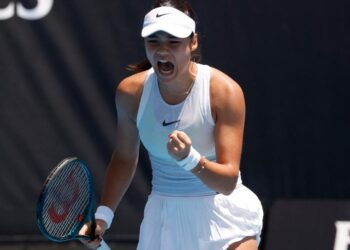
(119, 175)
(220, 177)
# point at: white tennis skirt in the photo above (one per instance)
(200, 223)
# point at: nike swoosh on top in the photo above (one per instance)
(169, 123)
(159, 15)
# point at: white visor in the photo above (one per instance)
(169, 20)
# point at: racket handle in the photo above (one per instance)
(104, 246)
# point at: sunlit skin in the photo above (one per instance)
(171, 60)
(161, 47)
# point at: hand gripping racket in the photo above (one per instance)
(66, 203)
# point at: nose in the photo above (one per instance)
(163, 50)
(163, 47)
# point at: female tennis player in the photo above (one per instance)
(190, 117)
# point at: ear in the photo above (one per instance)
(194, 42)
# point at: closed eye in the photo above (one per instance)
(152, 41)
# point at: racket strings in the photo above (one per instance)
(67, 199)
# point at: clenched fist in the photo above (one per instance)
(179, 145)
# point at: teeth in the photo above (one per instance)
(163, 61)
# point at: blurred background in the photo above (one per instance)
(61, 60)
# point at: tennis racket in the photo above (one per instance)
(66, 203)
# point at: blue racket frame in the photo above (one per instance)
(87, 212)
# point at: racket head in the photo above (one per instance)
(66, 201)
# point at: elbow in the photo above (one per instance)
(228, 190)
(230, 185)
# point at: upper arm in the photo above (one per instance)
(228, 107)
(125, 156)
(127, 99)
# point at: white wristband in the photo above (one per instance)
(191, 161)
(106, 214)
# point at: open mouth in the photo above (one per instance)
(165, 67)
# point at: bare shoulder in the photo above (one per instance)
(128, 93)
(221, 83)
(131, 85)
(224, 89)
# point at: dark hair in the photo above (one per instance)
(186, 8)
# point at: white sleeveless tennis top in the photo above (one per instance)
(156, 119)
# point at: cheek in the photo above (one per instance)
(184, 55)
(149, 54)
(183, 59)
